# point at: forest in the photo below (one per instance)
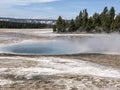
(19, 25)
(107, 21)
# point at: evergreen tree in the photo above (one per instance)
(112, 16)
(117, 22)
(105, 20)
(112, 13)
(85, 18)
(54, 28)
(90, 25)
(8, 24)
(59, 24)
(96, 19)
(72, 27)
(80, 18)
(63, 26)
(77, 22)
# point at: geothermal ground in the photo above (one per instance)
(85, 71)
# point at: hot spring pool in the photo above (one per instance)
(41, 48)
(102, 45)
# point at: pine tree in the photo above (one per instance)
(112, 16)
(112, 13)
(63, 26)
(59, 24)
(72, 27)
(90, 25)
(85, 18)
(117, 22)
(96, 19)
(80, 18)
(54, 28)
(77, 22)
(105, 20)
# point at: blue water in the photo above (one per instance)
(67, 45)
(41, 48)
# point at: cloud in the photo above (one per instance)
(17, 8)
(24, 2)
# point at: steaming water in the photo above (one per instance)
(108, 44)
(43, 48)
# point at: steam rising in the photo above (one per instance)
(98, 43)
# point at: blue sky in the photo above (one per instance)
(53, 8)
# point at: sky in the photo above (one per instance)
(51, 9)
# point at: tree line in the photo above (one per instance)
(19, 25)
(107, 21)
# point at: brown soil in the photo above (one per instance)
(103, 59)
(65, 82)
